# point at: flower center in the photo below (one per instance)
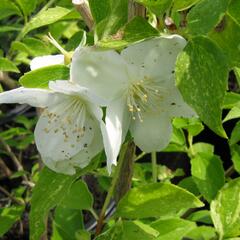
(144, 96)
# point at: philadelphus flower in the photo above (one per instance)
(67, 133)
(139, 83)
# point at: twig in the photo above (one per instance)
(229, 171)
(7, 81)
(83, 8)
(135, 9)
(125, 177)
(13, 157)
(9, 195)
(111, 190)
(140, 156)
(154, 166)
(5, 168)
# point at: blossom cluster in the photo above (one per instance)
(136, 86)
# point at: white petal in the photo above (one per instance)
(95, 111)
(81, 159)
(104, 72)
(63, 166)
(117, 121)
(32, 96)
(154, 133)
(175, 105)
(64, 129)
(44, 61)
(78, 2)
(154, 58)
(70, 88)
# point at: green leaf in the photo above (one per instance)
(192, 125)
(137, 29)
(228, 40)
(173, 228)
(206, 15)
(100, 9)
(202, 216)
(48, 193)
(155, 200)
(83, 235)
(9, 29)
(202, 233)
(231, 99)
(237, 74)
(8, 8)
(233, 113)
(203, 147)
(181, 5)
(40, 78)
(129, 230)
(208, 174)
(7, 66)
(202, 67)
(235, 153)
(235, 135)
(158, 7)
(78, 197)
(27, 6)
(111, 17)
(74, 41)
(8, 216)
(188, 184)
(233, 10)
(225, 210)
(31, 46)
(45, 18)
(67, 222)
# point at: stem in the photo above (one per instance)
(47, 5)
(83, 8)
(190, 143)
(140, 156)
(92, 211)
(3, 190)
(5, 168)
(135, 9)
(154, 166)
(125, 177)
(111, 190)
(13, 157)
(229, 171)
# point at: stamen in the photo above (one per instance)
(143, 96)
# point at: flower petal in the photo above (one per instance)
(117, 123)
(155, 58)
(81, 159)
(70, 88)
(63, 166)
(104, 72)
(64, 129)
(32, 96)
(154, 133)
(44, 61)
(175, 105)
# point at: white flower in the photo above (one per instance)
(48, 60)
(67, 133)
(140, 85)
